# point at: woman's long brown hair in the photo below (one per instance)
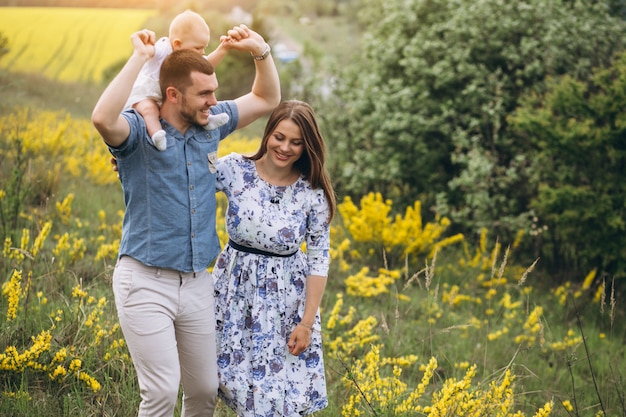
(311, 163)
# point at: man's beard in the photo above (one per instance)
(187, 113)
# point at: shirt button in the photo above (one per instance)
(193, 211)
(193, 235)
(188, 163)
(191, 187)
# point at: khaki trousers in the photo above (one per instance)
(168, 321)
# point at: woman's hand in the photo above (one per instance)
(300, 339)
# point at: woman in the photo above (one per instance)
(268, 290)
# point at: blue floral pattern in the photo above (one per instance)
(260, 299)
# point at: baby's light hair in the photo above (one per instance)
(185, 23)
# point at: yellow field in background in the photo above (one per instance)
(68, 44)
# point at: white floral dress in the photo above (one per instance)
(260, 298)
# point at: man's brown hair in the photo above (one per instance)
(177, 68)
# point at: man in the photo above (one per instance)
(163, 292)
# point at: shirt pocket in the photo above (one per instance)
(162, 161)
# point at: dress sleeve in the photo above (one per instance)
(224, 173)
(318, 235)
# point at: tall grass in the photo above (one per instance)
(415, 321)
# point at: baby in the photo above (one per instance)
(188, 30)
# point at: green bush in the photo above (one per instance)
(423, 113)
(576, 133)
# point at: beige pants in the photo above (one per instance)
(168, 321)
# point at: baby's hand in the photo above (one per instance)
(241, 38)
(143, 42)
(226, 42)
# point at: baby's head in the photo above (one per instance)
(189, 30)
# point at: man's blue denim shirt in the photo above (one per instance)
(170, 196)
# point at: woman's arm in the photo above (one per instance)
(318, 259)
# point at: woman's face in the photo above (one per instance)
(285, 144)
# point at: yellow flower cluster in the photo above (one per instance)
(360, 335)
(567, 289)
(334, 316)
(108, 250)
(373, 387)
(570, 340)
(89, 381)
(376, 389)
(455, 397)
(372, 226)
(69, 249)
(93, 318)
(567, 405)
(501, 306)
(78, 292)
(362, 285)
(11, 360)
(338, 253)
(23, 251)
(60, 374)
(108, 241)
(51, 137)
(533, 328)
(239, 144)
(410, 405)
(339, 339)
(368, 223)
(116, 347)
(17, 395)
(41, 238)
(14, 292)
(7, 247)
(482, 258)
(507, 313)
(64, 209)
(485, 260)
(453, 296)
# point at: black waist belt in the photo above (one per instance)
(257, 251)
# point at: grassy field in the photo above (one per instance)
(68, 44)
(416, 322)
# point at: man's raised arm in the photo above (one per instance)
(106, 115)
(265, 93)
